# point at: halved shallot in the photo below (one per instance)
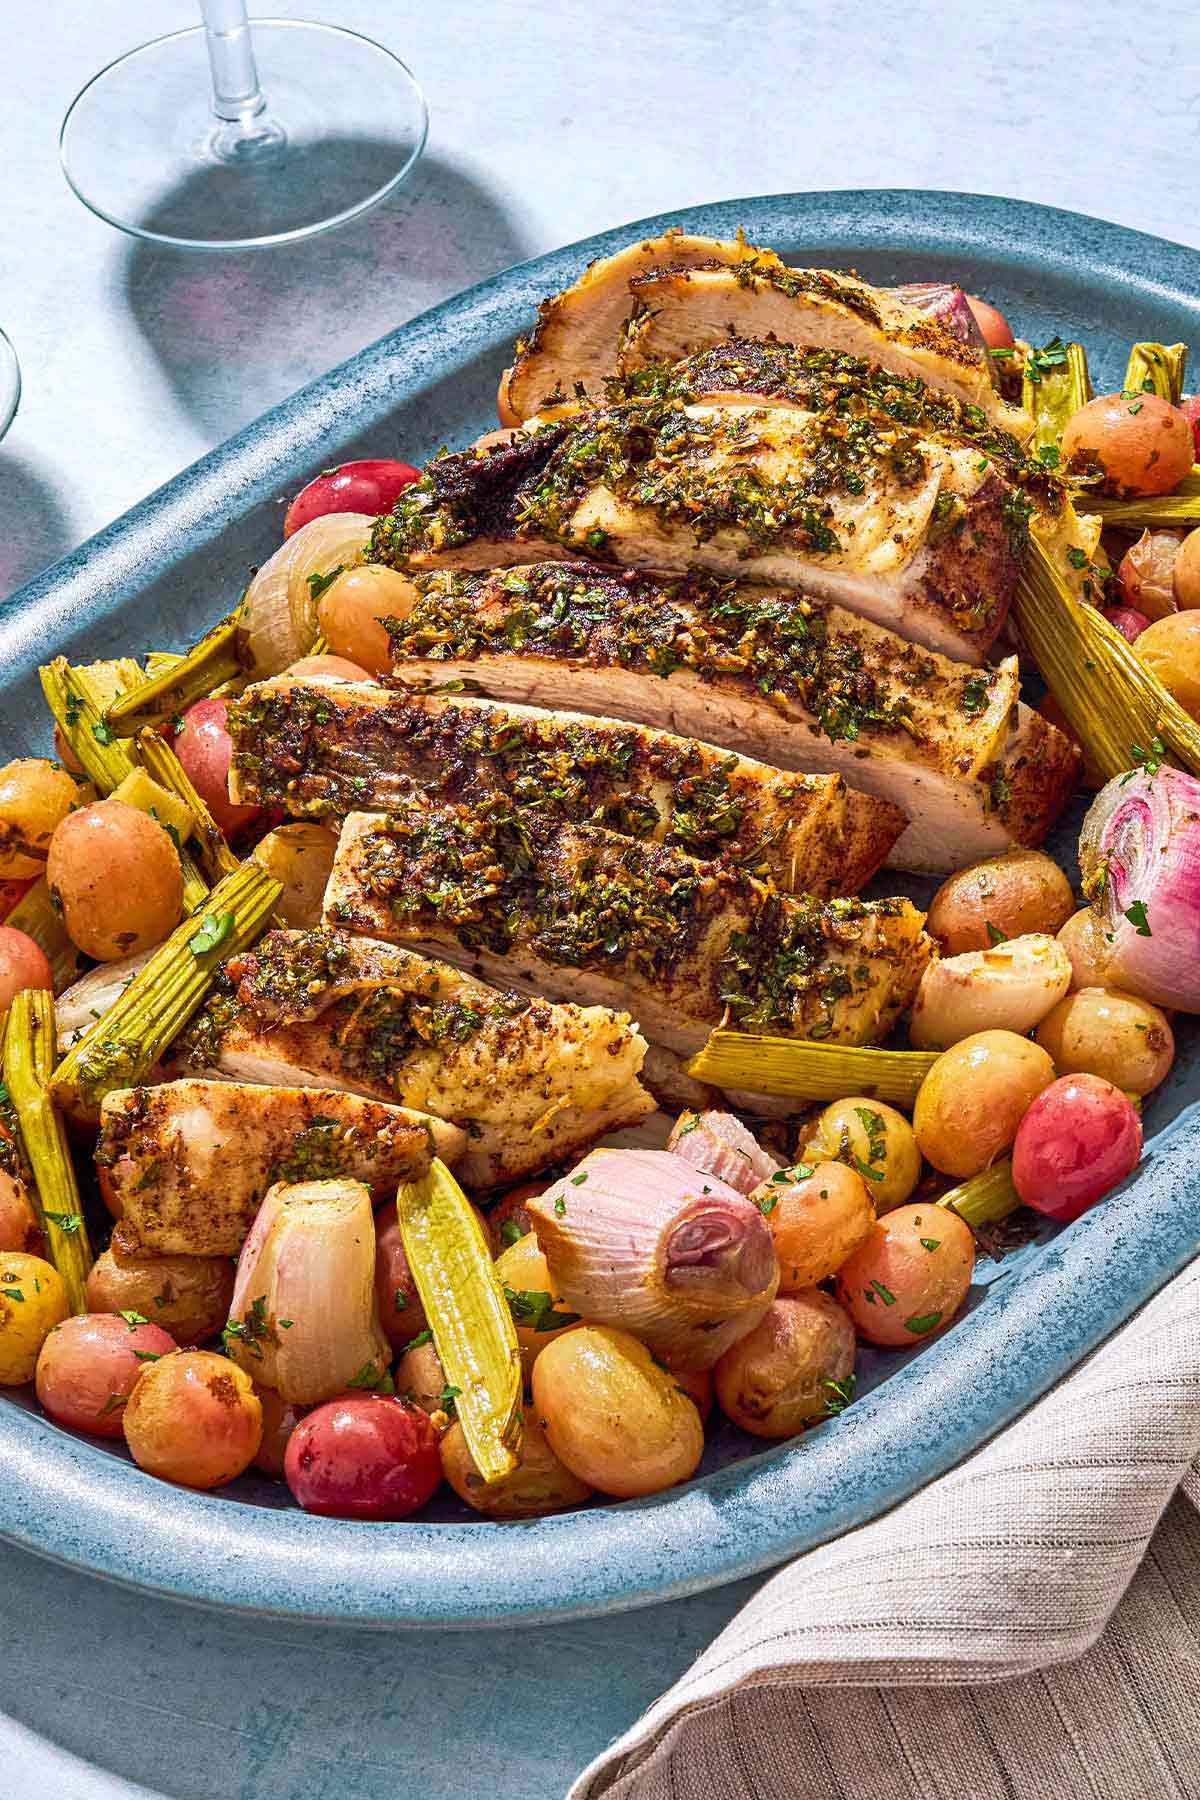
(717, 1143)
(1139, 851)
(637, 1239)
(303, 1320)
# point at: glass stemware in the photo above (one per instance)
(237, 135)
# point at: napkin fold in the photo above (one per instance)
(1040, 1605)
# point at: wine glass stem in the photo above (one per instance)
(235, 89)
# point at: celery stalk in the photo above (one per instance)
(34, 914)
(163, 764)
(469, 1317)
(77, 698)
(1156, 369)
(801, 1070)
(985, 1198)
(1051, 392)
(215, 659)
(140, 790)
(128, 1040)
(28, 1062)
(1121, 713)
(1151, 512)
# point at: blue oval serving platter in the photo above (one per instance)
(160, 574)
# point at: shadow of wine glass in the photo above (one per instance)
(236, 331)
(36, 531)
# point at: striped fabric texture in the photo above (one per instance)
(1026, 1628)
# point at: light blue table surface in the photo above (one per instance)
(548, 123)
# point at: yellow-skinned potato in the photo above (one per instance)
(117, 876)
(352, 606)
(1170, 648)
(615, 1417)
(1082, 937)
(35, 797)
(817, 1220)
(33, 1300)
(874, 1140)
(1140, 442)
(539, 1484)
(1015, 893)
(1185, 574)
(419, 1376)
(975, 1096)
(189, 1296)
(910, 1277)
(523, 1268)
(1121, 1038)
(1010, 987)
(783, 1375)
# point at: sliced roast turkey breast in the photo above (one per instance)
(768, 672)
(920, 534)
(322, 749)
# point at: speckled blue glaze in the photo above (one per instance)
(159, 574)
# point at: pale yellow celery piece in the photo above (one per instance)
(160, 759)
(985, 1198)
(1051, 395)
(472, 1326)
(123, 1046)
(156, 661)
(217, 658)
(28, 1062)
(140, 790)
(1120, 712)
(35, 915)
(1152, 512)
(799, 1069)
(1156, 369)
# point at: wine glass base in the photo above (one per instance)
(343, 124)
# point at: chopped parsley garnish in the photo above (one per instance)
(12, 1293)
(1050, 455)
(250, 1330)
(414, 1343)
(317, 584)
(68, 1223)
(134, 1319)
(1136, 914)
(923, 1322)
(446, 1400)
(374, 1379)
(841, 1393)
(534, 1308)
(974, 697)
(214, 929)
(510, 1233)
(930, 1244)
(560, 1206)
(102, 732)
(995, 935)
(1077, 558)
(578, 1180)
(885, 1294)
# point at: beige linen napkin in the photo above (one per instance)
(1026, 1628)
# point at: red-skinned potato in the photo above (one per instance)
(23, 965)
(371, 485)
(1140, 443)
(87, 1368)
(1190, 408)
(363, 1456)
(997, 332)
(400, 1311)
(204, 747)
(1079, 1139)
(1015, 893)
(910, 1276)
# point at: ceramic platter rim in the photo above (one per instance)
(66, 1499)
